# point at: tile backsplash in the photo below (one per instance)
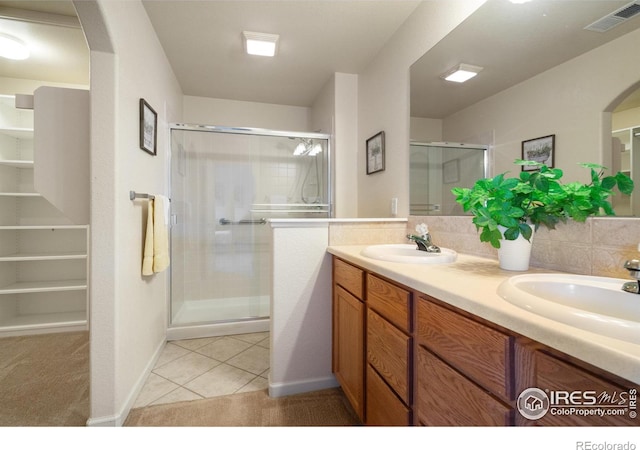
(600, 246)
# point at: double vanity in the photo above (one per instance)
(451, 339)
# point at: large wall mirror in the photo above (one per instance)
(563, 68)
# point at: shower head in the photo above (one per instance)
(307, 147)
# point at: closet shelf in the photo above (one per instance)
(43, 227)
(75, 319)
(18, 133)
(19, 194)
(25, 287)
(18, 163)
(43, 256)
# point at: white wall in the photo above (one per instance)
(567, 100)
(335, 111)
(383, 104)
(234, 113)
(128, 312)
(425, 130)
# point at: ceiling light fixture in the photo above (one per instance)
(261, 44)
(12, 48)
(462, 73)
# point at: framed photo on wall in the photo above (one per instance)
(148, 128)
(375, 153)
(540, 150)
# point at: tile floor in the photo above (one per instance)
(207, 367)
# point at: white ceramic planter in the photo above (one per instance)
(515, 255)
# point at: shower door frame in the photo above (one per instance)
(200, 329)
(487, 158)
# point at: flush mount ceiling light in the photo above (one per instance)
(12, 47)
(462, 73)
(261, 44)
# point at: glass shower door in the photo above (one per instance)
(224, 187)
(436, 168)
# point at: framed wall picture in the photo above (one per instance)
(540, 150)
(148, 128)
(375, 153)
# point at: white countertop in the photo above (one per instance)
(470, 284)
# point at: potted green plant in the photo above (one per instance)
(510, 209)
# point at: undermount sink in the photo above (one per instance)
(408, 253)
(595, 304)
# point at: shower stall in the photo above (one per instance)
(226, 183)
(436, 168)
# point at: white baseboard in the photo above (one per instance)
(301, 386)
(117, 420)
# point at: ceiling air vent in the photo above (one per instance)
(615, 18)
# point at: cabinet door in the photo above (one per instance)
(348, 347)
(447, 398)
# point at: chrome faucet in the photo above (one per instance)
(424, 240)
(424, 244)
(633, 266)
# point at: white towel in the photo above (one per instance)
(156, 243)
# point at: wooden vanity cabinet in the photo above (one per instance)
(464, 369)
(403, 358)
(348, 332)
(372, 345)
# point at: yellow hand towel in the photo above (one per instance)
(147, 258)
(160, 233)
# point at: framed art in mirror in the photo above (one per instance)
(540, 150)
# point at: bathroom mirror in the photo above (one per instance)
(542, 74)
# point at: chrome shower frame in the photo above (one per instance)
(249, 325)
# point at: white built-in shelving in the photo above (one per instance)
(43, 255)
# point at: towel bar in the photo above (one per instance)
(134, 195)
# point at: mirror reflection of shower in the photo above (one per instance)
(225, 186)
(437, 167)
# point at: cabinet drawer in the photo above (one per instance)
(447, 398)
(555, 375)
(349, 277)
(383, 407)
(388, 351)
(480, 352)
(391, 301)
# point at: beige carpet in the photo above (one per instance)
(44, 380)
(328, 407)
